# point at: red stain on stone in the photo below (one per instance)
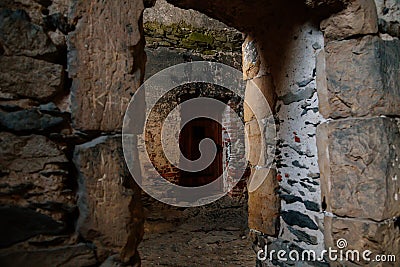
(287, 175)
(279, 177)
(297, 139)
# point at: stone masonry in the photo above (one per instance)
(329, 71)
(358, 85)
(67, 198)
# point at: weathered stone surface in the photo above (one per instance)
(167, 14)
(28, 120)
(251, 58)
(68, 256)
(359, 17)
(161, 58)
(35, 174)
(18, 104)
(263, 187)
(389, 14)
(106, 62)
(60, 6)
(18, 36)
(255, 89)
(260, 142)
(379, 238)
(358, 159)
(109, 201)
(19, 224)
(30, 78)
(362, 78)
(58, 38)
(32, 7)
(255, 150)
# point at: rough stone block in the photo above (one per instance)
(254, 63)
(19, 36)
(359, 163)
(35, 174)
(251, 60)
(260, 142)
(254, 145)
(379, 238)
(359, 17)
(29, 78)
(109, 201)
(106, 62)
(32, 7)
(362, 78)
(389, 14)
(29, 120)
(264, 202)
(255, 90)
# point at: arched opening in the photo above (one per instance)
(174, 36)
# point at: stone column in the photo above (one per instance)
(263, 185)
(358, 81)
(106, 64)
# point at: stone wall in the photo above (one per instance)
(67, 71)
(282, 63)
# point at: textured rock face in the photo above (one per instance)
(105, 61)
(35, 174)
(110, 213)
(355, 86)
(29, 120)
(359, 17)
(379, 238)
(264, 218)
(359, 167)
(251, 58)
(31, 78)
(33, 43)
(191, 17)
(388, 14)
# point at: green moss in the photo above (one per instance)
(188, 44)
(200, 37)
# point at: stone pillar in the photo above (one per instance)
(106, 63)
(263, 185)
(358, 81)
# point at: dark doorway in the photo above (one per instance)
(189, 140)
